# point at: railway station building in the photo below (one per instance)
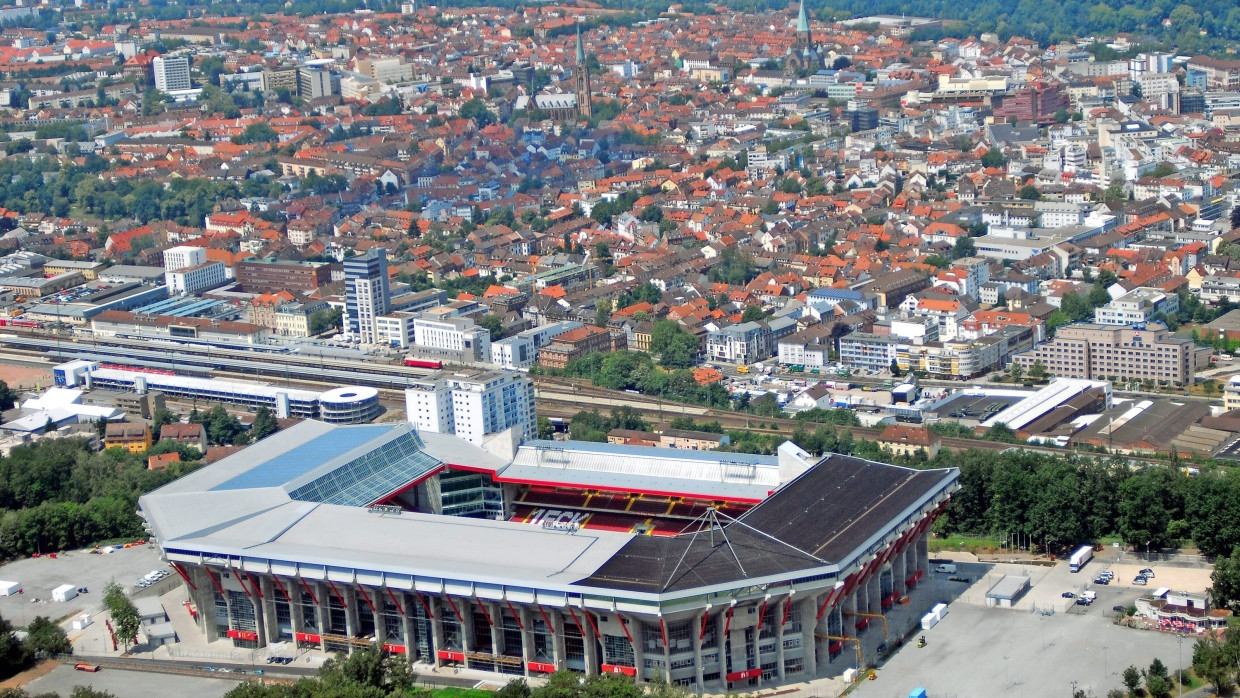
(717, 571)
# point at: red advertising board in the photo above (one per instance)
(541, 667)
(394, 649)
(615, 669)
(746, 674)
(451, 656)
(242, 635)
(307, 637)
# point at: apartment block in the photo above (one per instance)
(1102, 352)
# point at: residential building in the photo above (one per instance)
(171, 73)
(1231, 393)
(132, 437)
(908, 440)
(396, 329)
(867, 350)
(1139, 307)
(520, 351)
(747, 342)
(1120, 353)
(473, 406)
(314, 83)
(193, 435)
(574, 344)
(367, 295)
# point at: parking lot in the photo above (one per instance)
(1042, 644)
(38, 576)
(130, 683)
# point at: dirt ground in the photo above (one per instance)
(25, 377)
(41, 669)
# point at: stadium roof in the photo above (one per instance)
(296, 504)
(660, 471)
(826, 517)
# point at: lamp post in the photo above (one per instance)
(1179, 676)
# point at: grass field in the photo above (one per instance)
(964, 543)
(460, 693)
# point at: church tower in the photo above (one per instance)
(584, 107)
(804, 54)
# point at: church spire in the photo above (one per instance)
(581, 49)
(802, 19)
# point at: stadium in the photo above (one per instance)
(718, 571)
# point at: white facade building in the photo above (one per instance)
(474, 405)
(520, 351)
(196, 279)
(184, 256)
(455, 334)
(171, 73)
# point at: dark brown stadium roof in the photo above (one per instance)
(819, 518)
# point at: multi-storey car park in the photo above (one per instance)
(714, 570)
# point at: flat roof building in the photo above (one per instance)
(1114, 352)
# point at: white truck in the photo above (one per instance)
(1083, 554)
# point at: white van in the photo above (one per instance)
(945, 568)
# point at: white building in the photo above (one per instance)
(1140, 306)
(474, 405)
(196, 279)
(171, 73)
(184, 256)
(395, 329)
(520, 351)
(456, 334)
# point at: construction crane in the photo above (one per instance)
(871, 615)
(844, 638)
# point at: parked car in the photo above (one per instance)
(1147, 573)
(1068, 595)
(1119, 609)
(1102, 580)
(1083, 602)
(1140, 581)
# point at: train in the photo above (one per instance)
(423, 363)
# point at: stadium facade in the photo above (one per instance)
(718, 571)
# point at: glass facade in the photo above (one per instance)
(375, 474)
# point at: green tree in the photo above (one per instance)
(322, 321)
(993, 158)
(265, 424)
(651, 214)
(895, 369)
(545, 429)
(1016, 371)
(1211, 663)
(477, 110)
(159, 418)
(8, 397)
(257, 132)
(14, 656)
(1143, 510)
(1030, 193)
(1037, 370)
(124, 614)
(46, 639)
(753, 313)
(493, 324)
(938, 260)
(964, 247)
(1132, 679)
(1225, 581)
(1157, 682)
(602, 313)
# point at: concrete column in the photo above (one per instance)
(404, 606)
(380, 623)
(695, 640)
(636, 631)
(527, 637)
(204, 598)
(810, 626)
(559, 643)
(270, 625)
(351, 621)
(667, 652)
(898, 573)
(874, 591)
(923, 553)
(591, 643)
(321, 592)
(437, 631)
(467, 629)
(294, 609)
(779, 637)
